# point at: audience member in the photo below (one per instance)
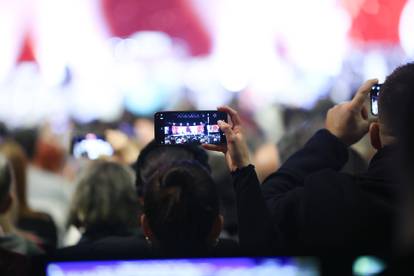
(181, 211)
(105, 202)
(407, 224)
(312, 206)
(47, 190)
(105, 209)
(10, 238)
(37, 223)
(402, 119)
(154, 156)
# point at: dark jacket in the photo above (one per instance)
(312, 208)
(135, 247)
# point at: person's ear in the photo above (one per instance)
(374, 134)
(6, 204)
(217, 227)
(146, 228)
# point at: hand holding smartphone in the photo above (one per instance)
(235, 149)
(189, 127)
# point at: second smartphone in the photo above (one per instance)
(374, 94)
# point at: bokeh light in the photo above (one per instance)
(91, 60)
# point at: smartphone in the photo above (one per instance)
(189, 127)
(91, 146)
(374, 94)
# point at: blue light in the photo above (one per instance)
(368, 265)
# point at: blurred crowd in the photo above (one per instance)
(146, 196)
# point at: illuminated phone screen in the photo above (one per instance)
(91, 146)
(375, 90)
(189, 127)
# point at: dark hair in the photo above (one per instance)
(4, 131)
(181, 204)
(105, 198)
(393, 105)
(27, 138)
(5, 177)
(154, 156)
(18, 161)
(396, 112)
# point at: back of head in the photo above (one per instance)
(154, 156)
(5, 179)
(393, 105)
(396, 114)
(181, 206)
(18, 160)
(105, 199)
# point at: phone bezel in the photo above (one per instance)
(159, 133)
(373, 95)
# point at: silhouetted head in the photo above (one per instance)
(105, 199)
(393, 106)
(181, 209)
(154, 156)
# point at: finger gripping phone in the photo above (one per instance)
(189, 127)
(374, 94)
(91, 146)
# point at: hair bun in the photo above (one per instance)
(181, 204)
(177, 177)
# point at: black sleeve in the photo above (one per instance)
(256, 234)
(283, 190)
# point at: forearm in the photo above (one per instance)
(256, 233)
(322, 151)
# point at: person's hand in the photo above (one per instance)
(236, 150)
(349, 121)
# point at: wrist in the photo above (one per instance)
(239, 166)
(338, 136)
(244, 164)
(241, 170)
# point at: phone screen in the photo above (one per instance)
(91, 146)
(189, 127)
(374, 98)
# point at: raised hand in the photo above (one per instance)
(236, 150)
(349, 121)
